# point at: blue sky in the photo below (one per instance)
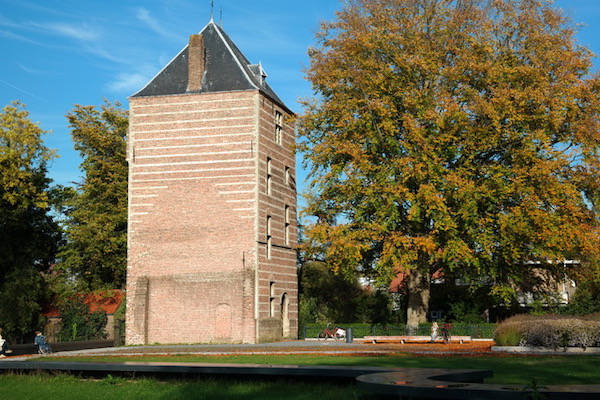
(57, 53)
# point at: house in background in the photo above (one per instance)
(541, 287)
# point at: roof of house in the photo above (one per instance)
(108, 302)
(226, 69)
(400, 279)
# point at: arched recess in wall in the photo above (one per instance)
(223, 321)
(285, 315)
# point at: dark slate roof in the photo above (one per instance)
(226, 69)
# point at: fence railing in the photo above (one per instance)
(362, 330)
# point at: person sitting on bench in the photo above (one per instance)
(40, 342)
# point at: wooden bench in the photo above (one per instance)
(414, 339)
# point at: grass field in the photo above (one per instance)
(64, 387)
(547, 370)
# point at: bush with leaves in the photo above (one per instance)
(552, 331)
(77, 323)
(586, 299)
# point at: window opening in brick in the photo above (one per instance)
(271, 299)
(278, 125)
(269, 177)
(269, 237)
(287, 175)
(287, 225)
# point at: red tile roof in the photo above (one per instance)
(399, 281)
(107, 301)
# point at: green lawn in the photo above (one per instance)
(64, 387)
(547, 370)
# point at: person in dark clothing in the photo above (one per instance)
(40, 342)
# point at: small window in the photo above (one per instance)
(287, 226)
(287, 175)
(271, 299)
(269, 177)
(269, 237)
(278, 125)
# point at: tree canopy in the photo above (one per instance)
(454, 134)
(29, 237)
(327, 298)
(96, 223)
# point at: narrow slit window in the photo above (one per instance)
(287, 226)
(278, 125)
(269, 237)
(269, 177)
(271, 299)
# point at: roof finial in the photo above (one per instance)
(212, 10)
(221, 17)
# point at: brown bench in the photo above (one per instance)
(414, 339)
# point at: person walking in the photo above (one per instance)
(446, 328)
(3, 346)
(434, 331)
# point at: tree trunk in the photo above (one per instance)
(418, 283)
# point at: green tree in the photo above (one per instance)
(96, 213)
(78, 323)
(461, 135)
(327, 297)
(586, 299)
(29, 237)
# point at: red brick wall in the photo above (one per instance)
(196, 212)
(191, 216)
(279, 270)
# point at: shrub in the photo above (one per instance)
(77, 323)
(508, 335)
(552, 331)
(586, 299)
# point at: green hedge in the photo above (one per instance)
(362, 330)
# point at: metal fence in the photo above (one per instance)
(362, 330)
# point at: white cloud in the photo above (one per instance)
(21, 90)
(16, 36)
(144, 16)
(82, 32)
(128, 82)
(30, 70)
(105, 54)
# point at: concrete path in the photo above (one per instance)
(325, 347)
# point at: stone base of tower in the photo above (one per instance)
(212, 307)
(271, 330)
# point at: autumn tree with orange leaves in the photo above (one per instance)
(453, 135)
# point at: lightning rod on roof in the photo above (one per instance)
(212, 10)
(221, 17)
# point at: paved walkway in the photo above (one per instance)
(325, 347)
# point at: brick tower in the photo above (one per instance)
(212, 202)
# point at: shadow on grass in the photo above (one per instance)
(225, 389)
(67, 387)
(508, 369)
